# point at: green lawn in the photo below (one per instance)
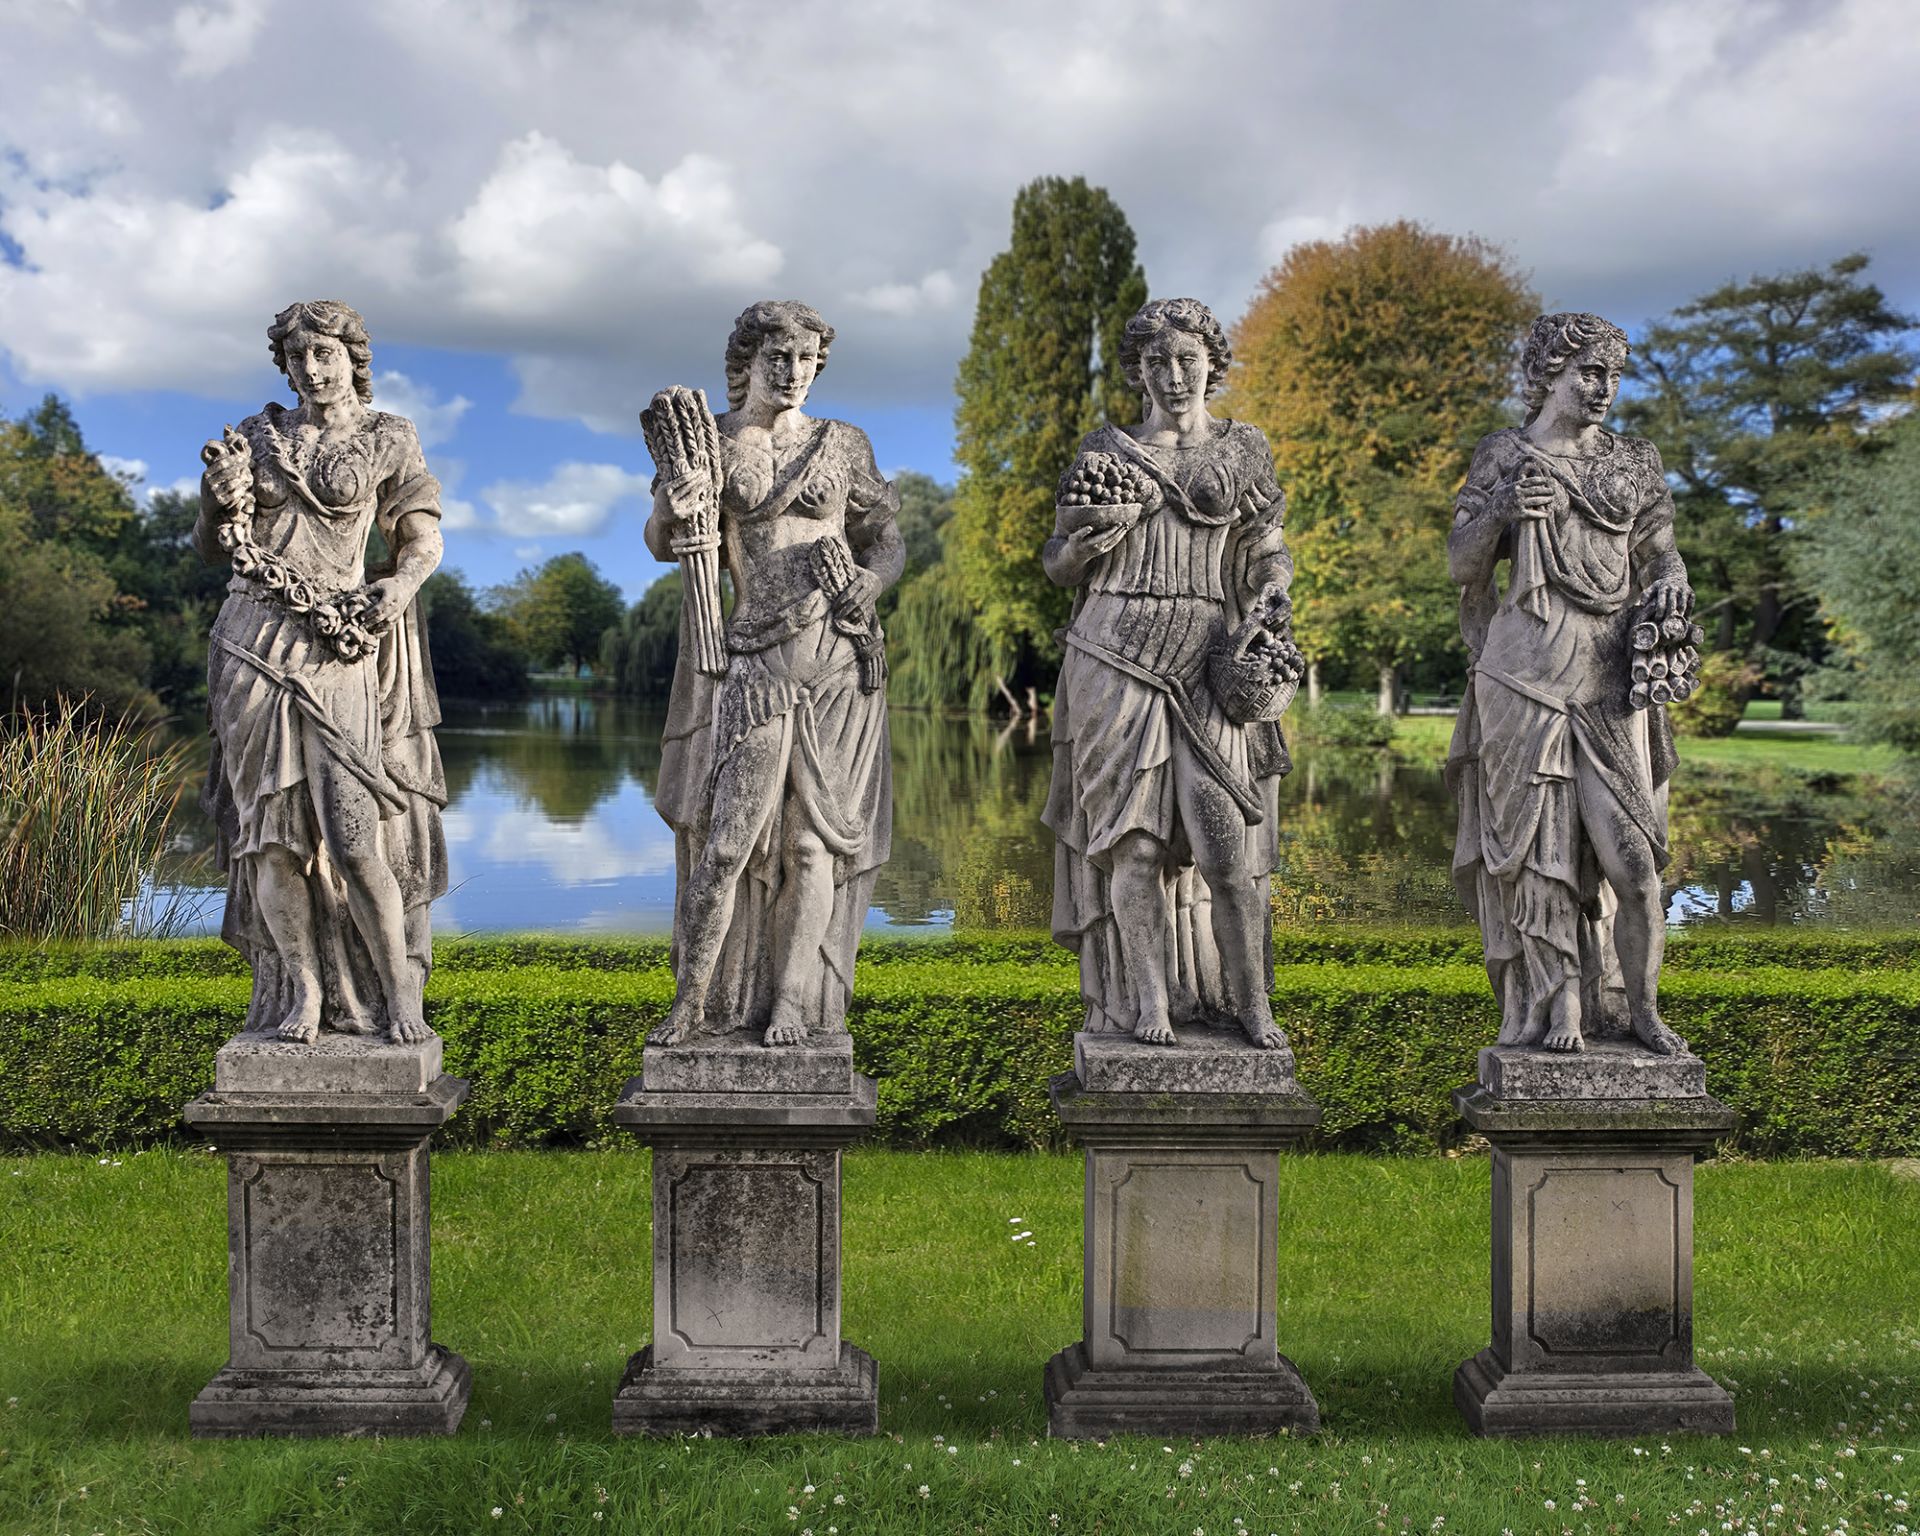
(113, 1314)
(1424, 739)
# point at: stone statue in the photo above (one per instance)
(775, 774)
(325, 782)
(1562, 753)
(1167, 752)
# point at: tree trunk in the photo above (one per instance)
(1007, 693)
(1313, 685)
(1389, 689)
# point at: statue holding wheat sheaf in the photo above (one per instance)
(775, 771)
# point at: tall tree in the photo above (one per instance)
(1374, 363)
(640, 652)
(1757, 394)
(559, 612)
(1042, 371)
(472, 650)
(1859, 557)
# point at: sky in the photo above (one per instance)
(548, 211)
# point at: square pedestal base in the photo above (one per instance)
(427, 1401)
(1087, 1402)
(766, 1401)
(1497, 1402)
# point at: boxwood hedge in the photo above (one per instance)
(1814, 1040)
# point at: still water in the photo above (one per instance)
(551, 826)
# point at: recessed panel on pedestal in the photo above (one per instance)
(320, 1245)
(1182, 1275)
(1603, 1262)
(746, 1255)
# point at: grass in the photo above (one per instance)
(84, 808)
(1424, 738)
(113, 1314)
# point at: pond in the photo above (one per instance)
(551, 826)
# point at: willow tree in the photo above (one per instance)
(1042, 371)
(1374, 363)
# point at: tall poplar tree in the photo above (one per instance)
(1042, 371)
(1374, 363)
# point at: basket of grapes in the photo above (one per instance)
(1105, 493)
(1256, 670)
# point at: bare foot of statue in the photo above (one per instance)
(680, 1020)
(1153, 1029)
(409, 1026)
(1657, 1038)
(1564, 1033)
(302, 1023)
(1262, 1031)
(786, 1028)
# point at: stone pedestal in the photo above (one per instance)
(746, 1240)
(327, 1239)
(1181, 1230)
(1593, 1157)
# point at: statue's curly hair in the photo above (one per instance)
(757, 322)
(1188, 315)
(1552, 342)
(328, 317)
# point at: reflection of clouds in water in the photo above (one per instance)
(622, 839)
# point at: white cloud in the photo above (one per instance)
(490, 183)
(213, 38)
(458, 514)
(125, 289)
(553, 241)
(937, 290)
(576, 501)
(129, 471)
(433, 418)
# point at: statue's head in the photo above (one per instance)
(1179, 324)
(321, 347)
(1556, 341)
(782, 341)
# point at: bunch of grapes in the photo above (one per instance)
(1105, 480)
(1666, 660)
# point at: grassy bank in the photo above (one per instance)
(113, 1314)
(1424, 738)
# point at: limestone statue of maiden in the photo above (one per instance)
(1562, 753)
(1167, 753)
(775, 773)
(325, 782)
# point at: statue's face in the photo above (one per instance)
(783, 370)
(1173, 367)
(1583, 391)
(319, 367)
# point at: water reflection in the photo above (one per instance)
(551, 825)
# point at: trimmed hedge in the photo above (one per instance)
(963, 1037)
(1704, 948)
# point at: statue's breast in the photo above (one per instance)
(342, 476)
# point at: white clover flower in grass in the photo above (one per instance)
(498, 1511)
(924, 1490)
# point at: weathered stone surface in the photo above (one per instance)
(318, 660)
(1605, 1069)
(1593, 1270)
(746, 1401)
(1497, 1402)
(791, 685)
(1088, 1402)
(328, 1233)
(1181, 1232)
(1202, 1060)
(1180, 655)
(746, 1264)
(428, 1399)
(1594, 593)
(741, 1063)
(259, 1061)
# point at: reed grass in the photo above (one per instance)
(85, 806)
